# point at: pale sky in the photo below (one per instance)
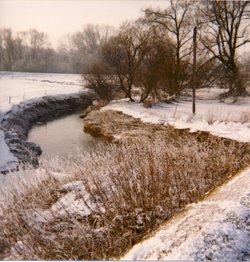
(57, 18)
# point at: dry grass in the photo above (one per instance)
(242, 117)
(150, 102)
(132, 189)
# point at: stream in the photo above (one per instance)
(62, 137)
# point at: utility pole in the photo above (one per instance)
(194, 67)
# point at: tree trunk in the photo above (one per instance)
(237, 85)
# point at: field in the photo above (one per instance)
(18, 87)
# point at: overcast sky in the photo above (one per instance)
(60, 17)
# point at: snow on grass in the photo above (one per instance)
(76, 201)
(19, 181)
(7, 160)
(221, 119)
(215, 229)
(17, 87)
(207, 93)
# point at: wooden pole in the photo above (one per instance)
(194, 67)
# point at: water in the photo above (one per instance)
(63, 137)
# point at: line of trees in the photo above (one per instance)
(154, 53)
(31, 51)
(24, 51)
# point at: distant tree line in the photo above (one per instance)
(24, 51)
(31, 51)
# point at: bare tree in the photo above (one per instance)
(177, 22)
(140, 58)
(85, 45)
(38, 41)
(21, 44)
(7, 48)
(24, 51)
(31, 51)
(125, 52)
(227, 27)
(91, 38)
(156, 71)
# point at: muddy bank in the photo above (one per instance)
(19, 120)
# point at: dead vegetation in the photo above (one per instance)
(117, 194)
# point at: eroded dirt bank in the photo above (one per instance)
(19, 120)
(116, 126)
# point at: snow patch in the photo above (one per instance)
(17, 87)
(76, 202)
(7, 160)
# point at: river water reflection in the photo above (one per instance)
(63, 137)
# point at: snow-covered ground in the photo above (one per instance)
(16, 87)
(215, 229)
(7, 159)
(225, 119)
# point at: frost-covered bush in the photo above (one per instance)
(115, 195)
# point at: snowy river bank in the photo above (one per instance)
(16, 123)
(22, 96)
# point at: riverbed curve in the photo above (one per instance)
(17, 122)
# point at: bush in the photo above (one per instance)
(98, 78)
